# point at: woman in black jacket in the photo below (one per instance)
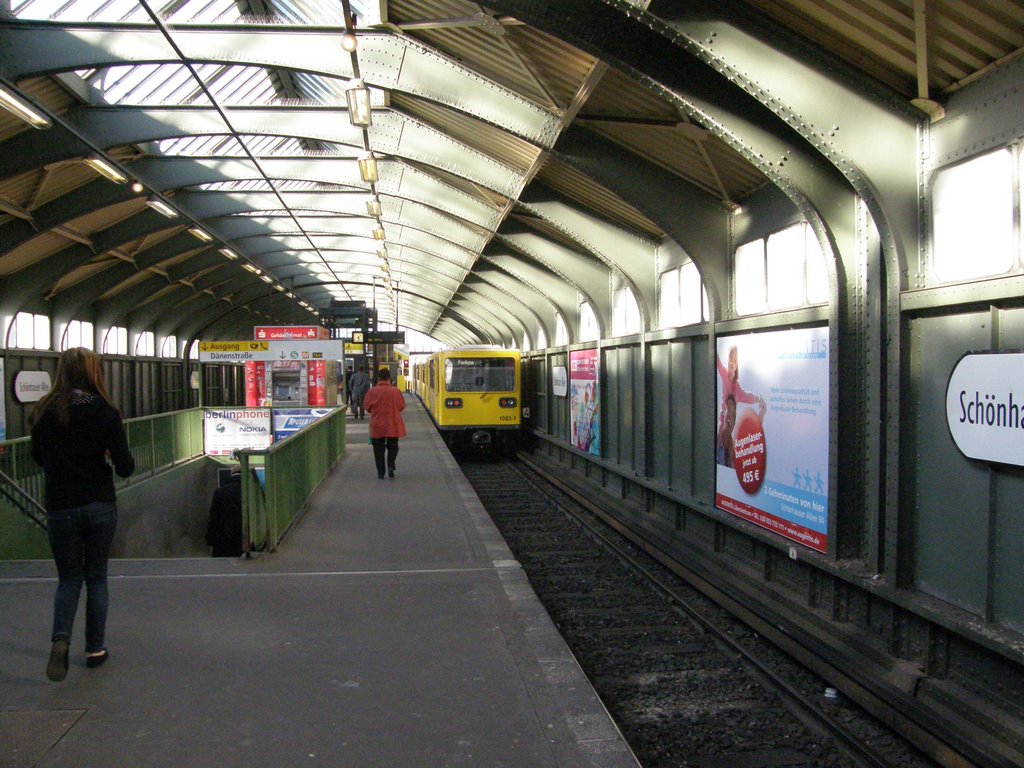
(75, 429)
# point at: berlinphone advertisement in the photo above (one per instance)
(772, 432)
(584, 403)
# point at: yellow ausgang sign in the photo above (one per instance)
(233, 351)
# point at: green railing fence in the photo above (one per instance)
(293, 469)
(156, 442)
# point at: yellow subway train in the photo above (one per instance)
(473, 394)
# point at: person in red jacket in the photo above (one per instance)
(385, 404)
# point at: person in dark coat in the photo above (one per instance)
(224, 530)
(360, 384)
(77, 434)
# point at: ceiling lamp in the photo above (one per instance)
(137, 187)
(104, 168)
(161, 207)
(349, 41)
(378, 232)
(266, 278)
(357, 95)
(228, 253)
(382, 254)
(21, 108)
(200, 234)
(368, 168)
(252, 268)
(373, 208)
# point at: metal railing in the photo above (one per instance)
(292, 470)
(156, 443)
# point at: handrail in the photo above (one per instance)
(22, 501)
(293, 469)
(156, 443)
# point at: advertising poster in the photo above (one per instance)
(771, 447)
(227, 430)
(288, 421)
(584, 403)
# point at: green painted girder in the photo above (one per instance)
(388, 61)
(76, 301)
(30, 150)
(688, 215)
(392, 134)
(82, 201)
(492, 323)
(36, 280)
(561, 293)
(535, 304)
(581, 271)
(492, 299)
(630, 255)
(651, 52)
(193, 323)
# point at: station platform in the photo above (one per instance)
(392, 629)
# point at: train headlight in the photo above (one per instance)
(507, 402)
(453, 402)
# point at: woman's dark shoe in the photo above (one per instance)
(391, 473)
(96, 660)
(57, 668)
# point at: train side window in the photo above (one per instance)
(972, 218)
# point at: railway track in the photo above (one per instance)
(688, 684)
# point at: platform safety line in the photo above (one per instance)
(496, 565)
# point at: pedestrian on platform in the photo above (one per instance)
(385, 404)
(359, 387)
(75, 430)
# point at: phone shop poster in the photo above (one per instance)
(772, 432)
(584, 410)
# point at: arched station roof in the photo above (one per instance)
(529, 154)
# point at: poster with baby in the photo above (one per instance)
(772, 431)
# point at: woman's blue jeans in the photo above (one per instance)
(80, 539)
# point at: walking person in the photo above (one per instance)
(385, 405)
(75, 429)
(359, 385)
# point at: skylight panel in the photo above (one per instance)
(206, 12)
(242, 85)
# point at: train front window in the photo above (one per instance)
(469, 374)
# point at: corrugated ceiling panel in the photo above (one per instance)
(483, 50)
(576, 186)
(498, 144)
(878, 37)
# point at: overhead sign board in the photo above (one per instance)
(245, 351)
(985, 406)
(233, 351)
(287, 332)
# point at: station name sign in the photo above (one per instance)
(985, 406)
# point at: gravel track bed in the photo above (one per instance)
(679, 697)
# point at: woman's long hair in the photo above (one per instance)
(78, 368)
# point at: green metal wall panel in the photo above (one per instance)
(949, 492)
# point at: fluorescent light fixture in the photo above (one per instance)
(378, 233)
(382, 254)
(290, 295)
(368, 167)
(349, 41)
(161, 207)
(373, 208)
(251, 268)
(200, 234)
(357, 96)
(266, 278)
(21, 108)
(279, 288)
(104, 168)
(227, 252)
